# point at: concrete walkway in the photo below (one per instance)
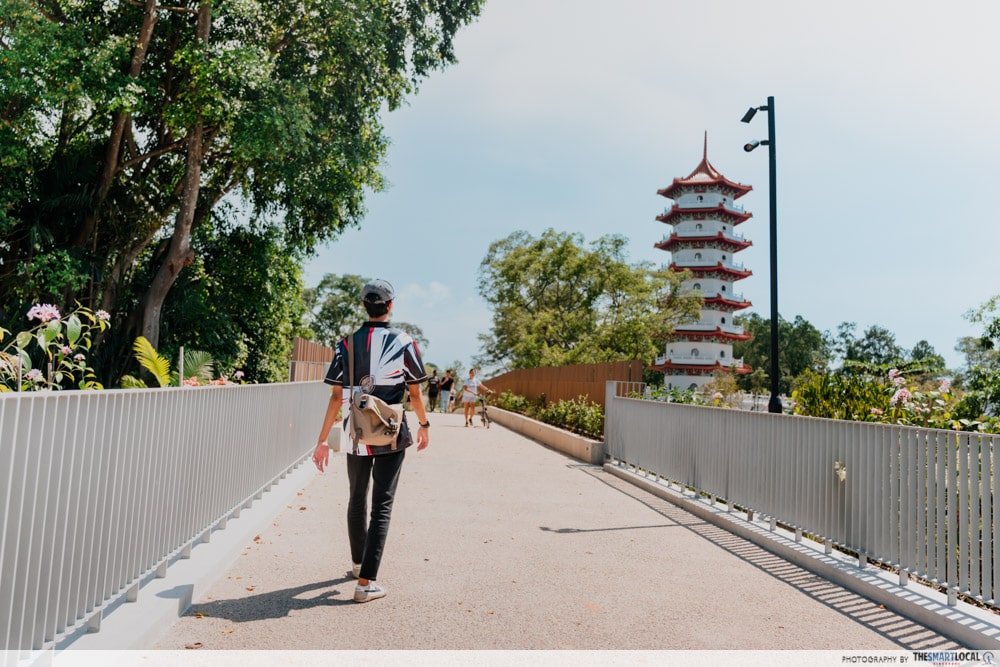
(500, 543)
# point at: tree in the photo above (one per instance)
(801, 347)
(125, 127)
(876, 346)
(556, 302)
(334, 310)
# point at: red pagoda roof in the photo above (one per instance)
(736, 273)
(735, 305)
(704, 174)
(720, 237)
(720, 210)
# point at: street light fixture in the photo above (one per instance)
(774, 404)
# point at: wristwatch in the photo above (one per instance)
(426, 424)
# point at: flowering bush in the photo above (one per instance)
(892, 399)
(52, 354)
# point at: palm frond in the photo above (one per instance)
(150, 359)
(199, 364)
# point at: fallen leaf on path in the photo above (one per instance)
(250, 588)
(200, 614)
(302, 508)
(194, 645)
(229, 631)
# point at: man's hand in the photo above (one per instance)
(423, 439)
(321, 455)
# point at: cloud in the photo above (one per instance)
(421, 296)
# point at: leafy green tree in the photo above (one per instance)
(876, 346)
(126, 127)
(333, 307)
(334, 310)
(978, 353)
(801, 347)
(557, 302)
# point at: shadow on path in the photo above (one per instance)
(274, 604)
(902, 631)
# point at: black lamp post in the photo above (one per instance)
(774, 404)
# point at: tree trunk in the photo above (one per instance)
(118, 123)
(179, 253)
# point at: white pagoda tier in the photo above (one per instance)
(704, 241)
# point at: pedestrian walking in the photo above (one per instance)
(387, 365)
(470, 392)
(447, 382)
(433, 388)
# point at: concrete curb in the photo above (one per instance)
(577, 446)
(971, 626)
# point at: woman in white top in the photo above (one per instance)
(470, 391)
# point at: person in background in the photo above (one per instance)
(387, 365)
(447, 383)
(433, 388)
(470, 392)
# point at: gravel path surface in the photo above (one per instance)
(498, 542)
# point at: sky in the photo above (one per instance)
(571, 114)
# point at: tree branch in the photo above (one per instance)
(159, 151)
(184, 10)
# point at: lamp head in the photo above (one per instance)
(748, 116)
(754, 144)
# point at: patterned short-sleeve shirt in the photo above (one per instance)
(386, 361)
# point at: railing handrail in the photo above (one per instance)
(910, 498)
(103, 487)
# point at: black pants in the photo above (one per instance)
(432, 402)
(368, 540)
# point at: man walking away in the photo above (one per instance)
(387, 365)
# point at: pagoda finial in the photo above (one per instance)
(705, 153)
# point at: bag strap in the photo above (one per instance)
(350, 364)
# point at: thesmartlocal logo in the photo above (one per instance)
(956, 658)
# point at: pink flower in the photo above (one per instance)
(33, 375)
(66, 349)
(897, 377)
(103, 315)
(876, 411)
(44, 312)
(238, 375)
(894, 373)
(945, 386)
(901, 396)
(191, 382)
(79, 357)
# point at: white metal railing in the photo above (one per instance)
(683, 263)
(921, 500)
(103, 488)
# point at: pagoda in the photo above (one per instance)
(703, 240)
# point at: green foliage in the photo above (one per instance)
(801, 347)
(579, 415)
(857, 397)
(199, 368)
(150, 360)
(240, 301)
(100, 197)
(334, 310)
(52, 354)
(556, 302)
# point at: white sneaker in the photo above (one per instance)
(367, 593)
(355, 570)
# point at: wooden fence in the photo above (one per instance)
(566, 382)
(309, 360)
